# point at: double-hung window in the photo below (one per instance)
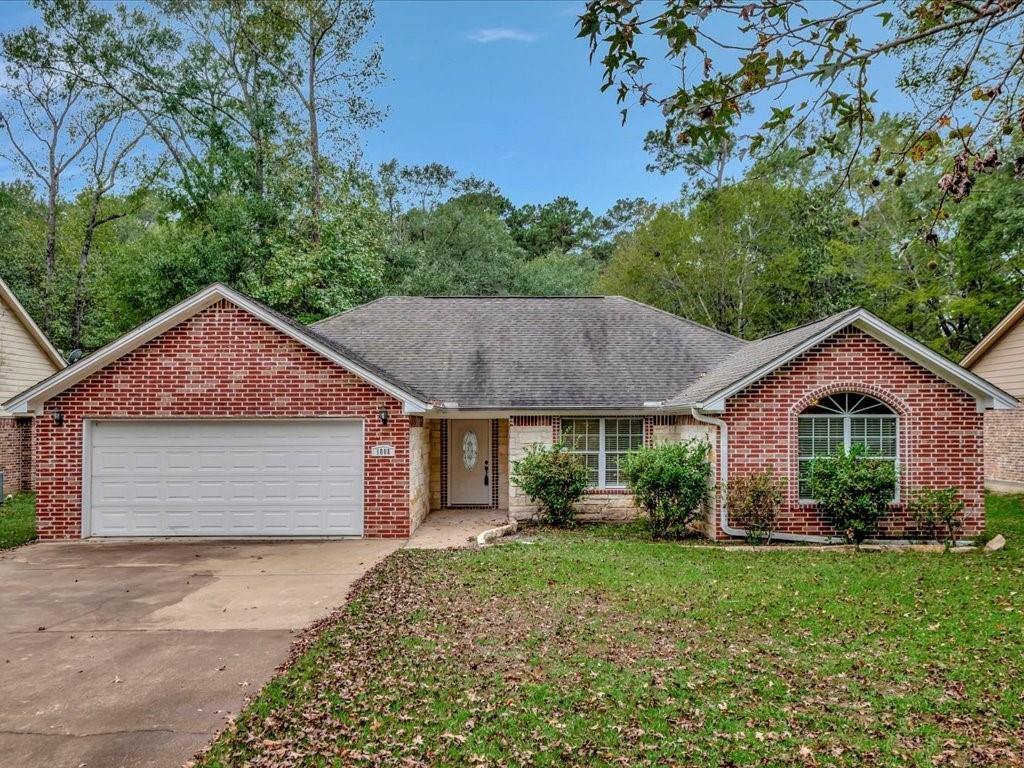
(846, 419)
(600, 443)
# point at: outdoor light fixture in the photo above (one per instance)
(383, 415)
(58, 418)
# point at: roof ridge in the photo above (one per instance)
(346, 311)
(680, 318)
(833, 317)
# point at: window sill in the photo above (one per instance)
(894, 504)
(612, 491)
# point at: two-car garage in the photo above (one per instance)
(269, 477)
(220, 417)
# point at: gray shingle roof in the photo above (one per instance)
(588, 352)
(753, 356)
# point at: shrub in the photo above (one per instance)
(555, 479)
(937, 512)
(671, 482)
(853, 490)
(755, 501)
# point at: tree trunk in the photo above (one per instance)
(51, 251)
(78, 312)
(316, 202)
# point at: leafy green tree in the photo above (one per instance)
(555, 274)
(749, 259)
(456, 250)
(346, 268)
(561, 225)
(789, 62)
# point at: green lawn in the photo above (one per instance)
(17, 520)
(591, 649)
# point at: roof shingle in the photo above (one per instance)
(586, 352)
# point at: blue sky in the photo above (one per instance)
(504, 91)
(499, 90)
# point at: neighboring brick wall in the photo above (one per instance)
(940, 430)
(16, 454)
(221, 363)
(1004, 450)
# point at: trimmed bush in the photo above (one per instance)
(671, 483)
(937, 513)
(755, 501)
(853, 489)
(554, 479)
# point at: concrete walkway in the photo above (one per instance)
(455, 528)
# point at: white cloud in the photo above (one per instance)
(498, 34)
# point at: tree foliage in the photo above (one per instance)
(962, 64)
(187, 155)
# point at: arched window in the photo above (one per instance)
(846, 419)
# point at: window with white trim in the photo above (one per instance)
(846, 419)
(600, 443)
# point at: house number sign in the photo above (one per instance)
(383, 451)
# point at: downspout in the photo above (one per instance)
(723, 460)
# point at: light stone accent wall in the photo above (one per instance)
(519, 439)
(504, 467)
(611, 507)
(419, 475)
(434, 427)
(685, 430)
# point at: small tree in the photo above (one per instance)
(555, 479)
(853, 489)
(755, 501)
(671, 482)
(937, 512)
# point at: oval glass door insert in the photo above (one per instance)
(469, 450)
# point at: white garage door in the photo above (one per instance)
(225, 478)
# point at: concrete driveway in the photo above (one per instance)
(135, 653)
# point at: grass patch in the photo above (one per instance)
(581, 649)
(18, 520)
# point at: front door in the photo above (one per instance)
(469, 462)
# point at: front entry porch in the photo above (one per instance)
(469, 464)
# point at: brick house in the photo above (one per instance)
(999, 357)
(26, 357)
(221, 417)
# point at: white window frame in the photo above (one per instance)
(847, 443)
(602, 451)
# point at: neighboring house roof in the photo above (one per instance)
(1002, 327)
(762, 357)
(7, 296)
(32, 398)
(527, 353)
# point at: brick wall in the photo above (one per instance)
(16, 454)
(221, 363)
(940, 430)
(1004, 450)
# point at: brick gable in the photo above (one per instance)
(940, 429)
(221, 363)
